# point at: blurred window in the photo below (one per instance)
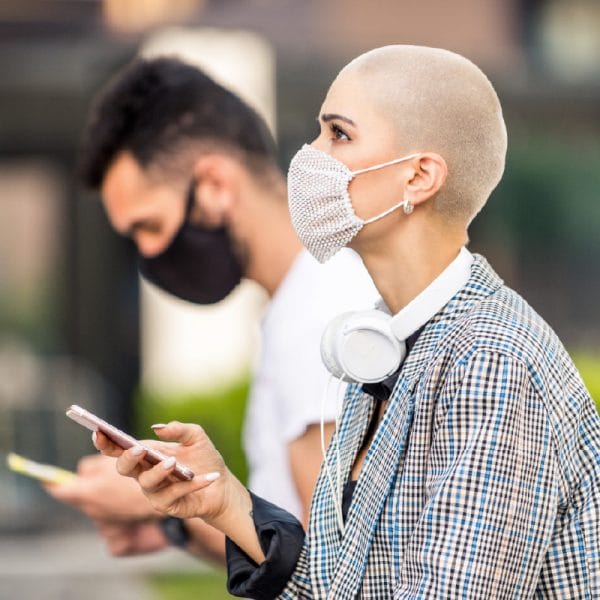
(563, 37)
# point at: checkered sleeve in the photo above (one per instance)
(491, 487)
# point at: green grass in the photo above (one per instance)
(188, 586)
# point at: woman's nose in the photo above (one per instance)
(319, 143)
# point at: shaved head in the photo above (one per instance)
(438, 101)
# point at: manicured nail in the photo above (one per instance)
(94, 437)
(137, 450)
(167, 464)
(158, 425)
(212, 476)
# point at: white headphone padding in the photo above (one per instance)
(328, 345)
(360, 347)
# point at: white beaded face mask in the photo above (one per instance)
(319, 201)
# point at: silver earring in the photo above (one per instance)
(407, 207)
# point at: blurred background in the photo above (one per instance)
(76, 326)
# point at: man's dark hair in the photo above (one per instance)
(156, 106)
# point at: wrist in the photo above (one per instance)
(237, 504)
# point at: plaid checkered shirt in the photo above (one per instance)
(483, 477)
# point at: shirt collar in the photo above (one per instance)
(434, 297)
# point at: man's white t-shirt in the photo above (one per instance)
(290, 378)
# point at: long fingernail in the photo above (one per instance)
(167, 464)
(137, 450)
(212, 476)
(94, 437)
(158, 425)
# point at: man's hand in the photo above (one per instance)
(135, 537)
(102, 494)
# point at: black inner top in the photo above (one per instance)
(381, 392)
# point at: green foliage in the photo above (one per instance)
(221, 414)
(185, 586)
(589, 367)
(547, 199)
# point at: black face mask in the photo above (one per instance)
(199, 265)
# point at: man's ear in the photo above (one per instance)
(216, 191)
(429, 175)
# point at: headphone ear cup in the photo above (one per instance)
(365, 348)
(329, 356)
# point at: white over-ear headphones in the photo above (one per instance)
(360, 347)
(356, 347)
(368, 346)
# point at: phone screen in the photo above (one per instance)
(124, 440)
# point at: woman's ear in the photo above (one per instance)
(429, 175)
(215, 191)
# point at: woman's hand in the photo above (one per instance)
(204, 496)
(214, 494)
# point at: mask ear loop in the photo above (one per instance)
(333, 488)
(395, 161)
(190, 200)
(404, 203)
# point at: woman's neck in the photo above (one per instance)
(402, 267)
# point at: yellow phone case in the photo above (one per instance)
(30, 468)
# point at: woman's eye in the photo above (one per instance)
(339, 133)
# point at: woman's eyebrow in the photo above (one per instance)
(334, 116)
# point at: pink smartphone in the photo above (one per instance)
(125, 441)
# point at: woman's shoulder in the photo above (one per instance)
(505, 327)
(505, 323)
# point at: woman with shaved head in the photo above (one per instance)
(466, 460)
